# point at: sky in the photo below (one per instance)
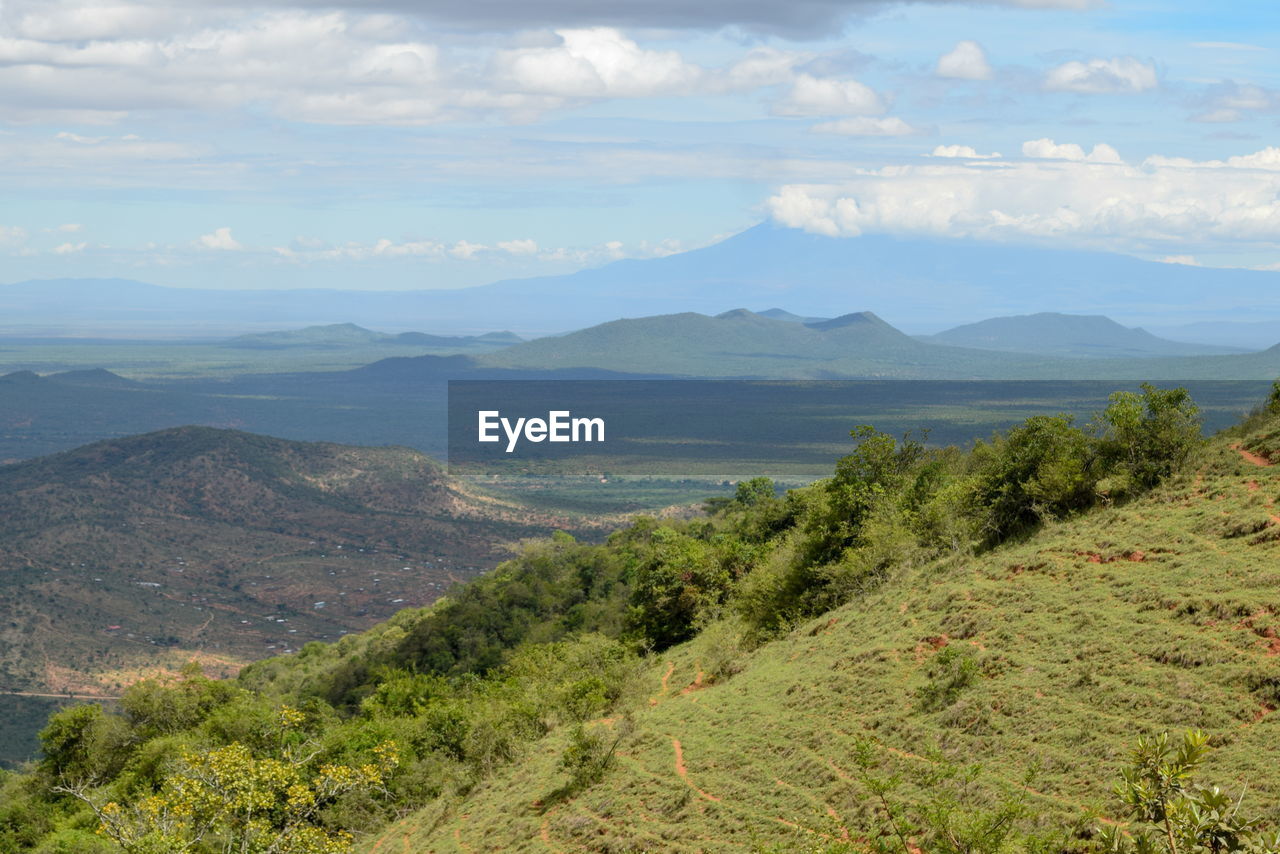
(400, 144)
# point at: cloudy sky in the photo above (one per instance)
(443, 143)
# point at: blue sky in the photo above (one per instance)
(426, 144)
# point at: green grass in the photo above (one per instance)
(1157, 615)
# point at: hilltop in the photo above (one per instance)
(1070, 335)
(133, 554)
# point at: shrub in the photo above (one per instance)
(1148, 436)
(1039, 470)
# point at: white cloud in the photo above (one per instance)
(762, 66)
(1185, 260)
(314, 249)
(1047, 149)
(69, 248)
(220, 239)
(1229, 101)
(966, 61)
(69, 22)
(1123, 74)
(867, 126)
(964, 151)
(71, 227)
(519, 247)
(82, 140)
(12, 235)
(1169, 202)
(817, 96)
(465, 250)
(596, 62)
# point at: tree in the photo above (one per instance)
(1148, 436)
(1039, 470)
(876, 471)
(675, 578)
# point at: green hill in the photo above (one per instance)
(1159, 615)
(741, 343)
(1071, 335)
(134, 555)
(932, 650)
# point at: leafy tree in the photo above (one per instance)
(83, 744)
(877, 470)
(1148, 436)
(1039, 470)
(1173, 815)
(675, 578)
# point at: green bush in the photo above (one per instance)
(1039, 470)
(1148, 436)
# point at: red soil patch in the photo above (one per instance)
(671, 668)
(695, 685)
(1250, 456)
(457, 832)
(684, 772)
(1253, 486)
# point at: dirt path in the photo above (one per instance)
(684, 772)
(671, 668)
(1251, 457)
(544, 832)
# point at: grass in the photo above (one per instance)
(1162, 614)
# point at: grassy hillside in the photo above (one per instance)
(1159, 615)
(932, 650)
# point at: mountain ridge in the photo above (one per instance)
(931, 281)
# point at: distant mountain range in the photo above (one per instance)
(741, 343)
(348, 334)
(1069, 335)
(922, 283)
